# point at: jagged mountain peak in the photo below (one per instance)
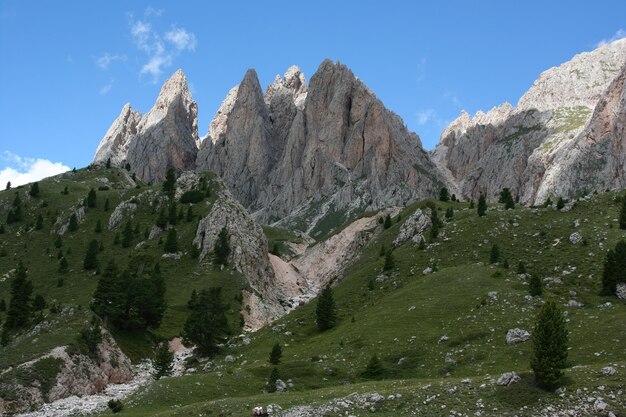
(293, 83)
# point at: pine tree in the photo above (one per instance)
(387, 223)
(172, 217)
(127, 235)
(389, 261)
(207, 325)
(39, 303)
(507, 199)
(169, 185)
(521, 267)
(106, 205)
(535, 286)
(444, 195)
(494, 256)
(91, 198)
(560, 203)
(127, 166)
(221, 250)
(471, 205)
(8, 187)
(163, 361)
(622, 214)
(383, 251)
(453, 198)
(193, 300)
(20, 304)
(66, 190)
(73, 224)
(34, 190)
(325, 311)
(374, 368)
(276, 354)
(98, 228)
(39, 222)
(449, 213)
(109, 299)
(3, 305)
(171, 243)
(91, 255)
(271, 382)
(549, 347)
(161, 220)
(58, 242)
(108, 164)
(482, 206)
(435, 223)
(2, 229)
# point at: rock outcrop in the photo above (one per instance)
(297, 154)
(533, 148)
(165, 137)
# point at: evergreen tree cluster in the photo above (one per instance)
(507, 199)
(131, 299)
(20, 305)
(15, 213)
(482, 206)
(221, 251)
(207, 325)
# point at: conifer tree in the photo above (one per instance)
(73, 224)
(507, 199)
(58, 242)
(63, 265)
(109, 299)
(535, 286)
(91, 256)
(374, 368)
(20, 304)
(3, 305)
(207, 326)
(276, 354)
(163, 360)
(387, 223)
(482, 206)
(494, 256)
(98, 228)
(8, 187)
(271, 382)
(471, 205)
(325, 311)
(189, 216)
(560, 203)
(221, 250)
(91, 198)
(172, 217)
(169, 185)
(389, 261)
(171, 243)
(127, 235)
(161, 220)
(614, 271)
(521, 267)
(383, 250)
(106, 205)
(39, 303)
(444, 195)
(108, 164)
(549, 347)
(34, 190)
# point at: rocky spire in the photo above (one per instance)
(166, 136)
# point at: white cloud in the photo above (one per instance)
(162, 48)
(181, 39)
(106, 59)
(26, 170)
(107, 87)
(452, 97)
(154, 66)
(621, 33)
(425, 116)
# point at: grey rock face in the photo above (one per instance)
(507, 379)
(248, 256)
(533, 148)
(514, 336)
(297, 154)
(412, 228)
(165, 137)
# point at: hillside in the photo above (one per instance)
(441, 336)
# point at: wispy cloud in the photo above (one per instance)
(104, 60)
(107, 87)
(621, 33)
(162, 48)
(22, 170)
(452, 98)
(425, 116)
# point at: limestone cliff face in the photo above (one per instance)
(527, 148)
(165, 137)
(297, 153)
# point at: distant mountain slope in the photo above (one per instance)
(529, 148)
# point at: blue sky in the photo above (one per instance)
(68, 67)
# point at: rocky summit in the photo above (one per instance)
(165, 137)
(541, 148)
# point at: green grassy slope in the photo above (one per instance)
(403, 316)
(37, 250)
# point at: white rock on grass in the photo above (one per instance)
(608, 371)
(514, 336)
(575, 238)
(620, 291)
(507, 379)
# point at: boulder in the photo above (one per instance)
(515, 336)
